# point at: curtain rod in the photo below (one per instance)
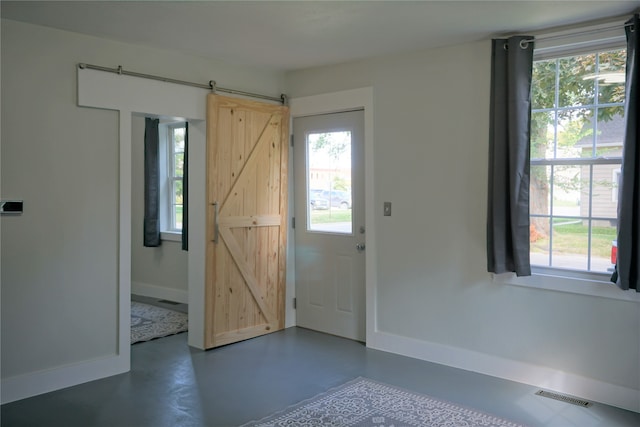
(211, 86)
(569, 33)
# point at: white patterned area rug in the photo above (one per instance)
(367, 403)
(149, 322)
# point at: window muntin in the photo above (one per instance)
(175, 169)
(576, 144)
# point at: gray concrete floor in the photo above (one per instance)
(171, 384)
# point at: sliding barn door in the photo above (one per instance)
(247, 156)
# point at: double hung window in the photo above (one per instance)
(577, 133)
(172, 144)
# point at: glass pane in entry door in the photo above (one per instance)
(329, 182)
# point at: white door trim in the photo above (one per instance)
(134, 95)
(343, 101)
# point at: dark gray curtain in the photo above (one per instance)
(510, 115)
(151, 183)
(628, 263)
(185, 191)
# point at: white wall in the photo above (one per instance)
(434, 298)
(159, 272)
(59, 261)
(61, 265)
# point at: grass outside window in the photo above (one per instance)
(569, 238)
(331, 215)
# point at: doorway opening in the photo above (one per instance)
(159, 288)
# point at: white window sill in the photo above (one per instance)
(598, 285)
(171, 236)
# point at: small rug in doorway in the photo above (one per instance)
(149, 322)
(364, 402)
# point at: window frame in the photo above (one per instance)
(590, 162)
(320, 228)
(172, 178)
(167, 181)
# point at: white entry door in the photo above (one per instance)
(329, 223)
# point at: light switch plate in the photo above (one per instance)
(387, 208)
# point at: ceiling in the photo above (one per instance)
(289, 35)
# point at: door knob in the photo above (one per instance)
(360, 247)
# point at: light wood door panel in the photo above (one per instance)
(247, 156)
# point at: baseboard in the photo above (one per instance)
(537, 376)
(35, 383)
(160, 292)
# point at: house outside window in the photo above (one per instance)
(577, 130)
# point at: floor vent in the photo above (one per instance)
(564, 398)
(166, 301)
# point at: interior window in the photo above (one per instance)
(175, 168)
(577, 130)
